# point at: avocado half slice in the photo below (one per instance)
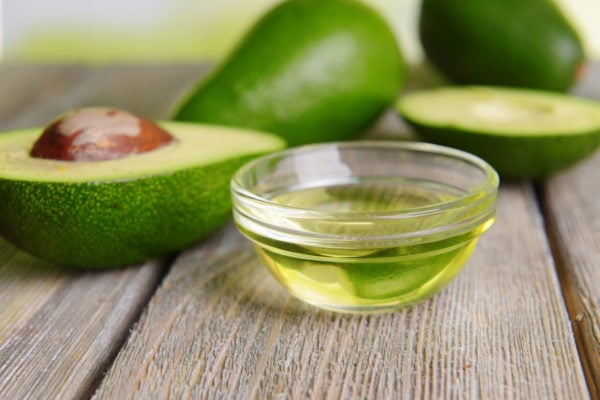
(101, 214)
(522, 133)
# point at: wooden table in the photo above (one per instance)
(521, 321)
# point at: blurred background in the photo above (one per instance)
(174, 31)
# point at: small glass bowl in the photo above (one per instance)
(365, 226)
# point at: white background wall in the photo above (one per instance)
(182, 30)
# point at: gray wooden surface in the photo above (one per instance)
(521, 321)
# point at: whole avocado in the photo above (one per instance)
(523, 43)
(308, 70)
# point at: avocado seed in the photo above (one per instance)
(95, 134)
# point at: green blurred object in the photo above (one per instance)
(524, 43)
(523, 133)
(308, 70)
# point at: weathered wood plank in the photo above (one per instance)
(570, 201)
(57, 344)
(573, 208)
(22, 87)
(150, 91)
(26, 88)
(589, 83)
(219, 327)
(26, 284)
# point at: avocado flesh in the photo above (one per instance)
(103, 214)
(521, 43)
(522, 133)
(309, 71)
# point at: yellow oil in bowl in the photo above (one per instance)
(356, 231)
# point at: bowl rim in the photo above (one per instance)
(478, 194)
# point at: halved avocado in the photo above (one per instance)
(100, 214)
(522, 133)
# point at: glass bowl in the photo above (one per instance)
(365, 226)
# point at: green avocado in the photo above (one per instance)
(308, 70)
(523, 43)
(523, 133)
(102, 214)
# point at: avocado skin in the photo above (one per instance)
(116, 223)
(523, 43)
(309, 71)
(516, 157)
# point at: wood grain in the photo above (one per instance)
(570, 201)
(150, 90)
(219, 327)
(573, 208)
(61, 339)
(25, 88)
(33, 96)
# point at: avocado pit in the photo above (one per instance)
(97, 134)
